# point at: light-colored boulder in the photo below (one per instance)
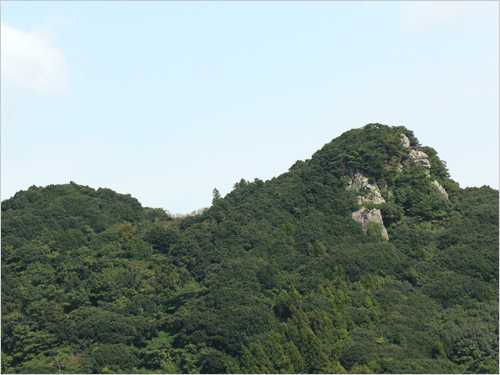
(358, 181)
(441, 189)
(414, 155)
(365, 216)
(374, 197)
(420, 157)
(405, 141)
(367, 192)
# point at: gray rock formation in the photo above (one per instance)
(419, 157)
(370, 193)
(405, 140)
(441, 189)
(367, 193)
(365, 216)
(414, 155)
(422, 158)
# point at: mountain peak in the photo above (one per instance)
(386, 166)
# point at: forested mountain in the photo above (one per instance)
(367, 258)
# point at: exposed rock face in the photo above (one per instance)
(367, 193)
(414, 155)
(420, 157)
(405, 141)
(365, 216)
(370, 193)
(441, 189)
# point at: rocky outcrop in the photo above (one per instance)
(441, 189)
(419, 157)
(367, 193)
(405, 141)
(365, 216)
(415, 155)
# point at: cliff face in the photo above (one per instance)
(421, 158)
(367, 193)
(441, 189)
(370, 192)
(365, 216)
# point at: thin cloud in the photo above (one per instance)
(422, 14)
(30, 61)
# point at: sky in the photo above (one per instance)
(168, 100)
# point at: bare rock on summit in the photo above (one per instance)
(414, 155)
(419, 157)
(422, 158)
(405, 141)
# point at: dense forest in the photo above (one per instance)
(288, 275)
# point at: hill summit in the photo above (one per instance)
(366, 258)
(377, 161)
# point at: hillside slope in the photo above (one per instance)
(367, 258)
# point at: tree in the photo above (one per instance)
(216, 196)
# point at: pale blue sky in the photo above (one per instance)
(167, 100)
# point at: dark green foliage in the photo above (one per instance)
(417, 195)
(374, 150)
(113, 358)
(276, 277)
(161, 237)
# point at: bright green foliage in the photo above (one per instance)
(276, 277)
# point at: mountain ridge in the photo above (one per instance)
(278, 276)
